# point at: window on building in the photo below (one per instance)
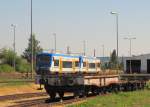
(91, 65)
(67, 64)
(56, 63)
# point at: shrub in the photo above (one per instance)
(23, 68)
(22, 65)
(6, 68)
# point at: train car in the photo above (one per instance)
(50, 63)
(91, 65)
(67, 73)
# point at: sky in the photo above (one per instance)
(74, 21)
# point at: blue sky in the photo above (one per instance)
(76, 20)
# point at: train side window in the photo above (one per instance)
(76, 64)
(56, 63)
(91, 65)
(84, 64)
(67, 64)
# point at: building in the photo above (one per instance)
(137, 64)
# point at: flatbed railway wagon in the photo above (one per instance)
(60, 73)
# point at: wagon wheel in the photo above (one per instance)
(76, 94)
(61, 94)
(86, 92)
(52, 95)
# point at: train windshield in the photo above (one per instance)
(43, 60)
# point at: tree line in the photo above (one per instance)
(22, 62)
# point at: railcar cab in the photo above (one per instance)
(43, 63)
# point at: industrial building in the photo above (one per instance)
(137, 64)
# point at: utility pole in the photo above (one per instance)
(54, 34)
(130, 40)
(14, 45)
(84, 48)
(94, 52)
(68, 50)
(116, 14)
(103, 50)
(31, 45)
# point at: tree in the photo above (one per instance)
(7, 60)
(7, 56)
(36, 49)
(113, 60)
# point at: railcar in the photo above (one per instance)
(59, 63)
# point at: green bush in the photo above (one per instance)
(7, 56)
(22, 65)
(23, 68)
(7, 60)
(6, 68)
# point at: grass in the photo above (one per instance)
(122, 99)
(5, 82)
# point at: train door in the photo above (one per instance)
(73, 65)
(133, 65)
(148, 66)
(84, 68)
(98, 66)
(56, 64)
(60, 64)
(76, 64)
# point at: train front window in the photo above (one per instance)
(43, 59)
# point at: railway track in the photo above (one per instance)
(44, 102)
(41, 99)
(29, 81)
(21, 96)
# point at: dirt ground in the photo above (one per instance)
(11, 94)
(10, 90)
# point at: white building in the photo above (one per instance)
(137, 64)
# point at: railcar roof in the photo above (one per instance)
(65, 55)
(57, 54)
(90, 57)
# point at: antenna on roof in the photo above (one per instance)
(68, 50)
(94, 52)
